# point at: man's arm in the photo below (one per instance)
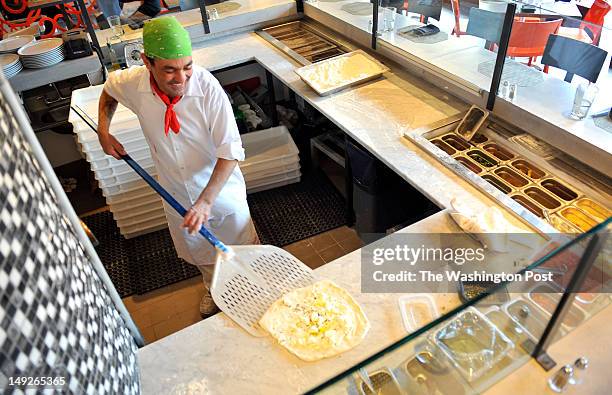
(106, 109)
(199, 213)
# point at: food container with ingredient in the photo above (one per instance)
(578, 218)
(529, 205)
(593, 209)
(563, 225)
(547, 297)
(479, 138)
(528, 316)
(468, 290)
(481, 158)
(469, 164)
(472, 343)
(334, 74)
(497, 183)
(383, 381)
(559, 189)
(430, 369)
(497, 151)
(417, 310)
(511, 177)
(456, 142)
(444, 147)
(528, 169)
(508, 326)
(543, 198)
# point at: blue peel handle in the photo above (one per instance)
(218, 244)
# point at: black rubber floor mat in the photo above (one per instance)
(140, 264)
(295, 212)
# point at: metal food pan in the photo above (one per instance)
(324, 92)
(443, 146)
(563, 225)
(456, 141)
(529, 204)
(511, 177)
(469, 164)
(528, 169)
(383, 381)
(480, 157)
(480, 138)
(559, 189)
(498, 183)
(550, 298)
(578, 218)
(527, 316)
(544, 199)
(498, 152)
(499, 344)
(593, 209)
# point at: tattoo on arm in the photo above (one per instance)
(106, 110)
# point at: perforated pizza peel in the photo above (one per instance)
(247, 278)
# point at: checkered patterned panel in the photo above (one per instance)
(56, 317)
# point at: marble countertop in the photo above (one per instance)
(541, 109)
(377, 115)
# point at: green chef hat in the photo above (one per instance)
(165, 38)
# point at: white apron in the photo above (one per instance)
(185, 161)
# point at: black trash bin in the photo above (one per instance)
(381, 198)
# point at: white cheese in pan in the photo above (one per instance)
(316, 322)
(339, 71)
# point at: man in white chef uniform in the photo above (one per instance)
(189, 125)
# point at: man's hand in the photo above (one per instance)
(196, 216)
(111, 145)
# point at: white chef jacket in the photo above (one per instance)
(185, 161)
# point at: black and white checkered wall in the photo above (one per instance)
(56, 318)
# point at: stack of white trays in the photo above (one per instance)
(135, 206)
(271, 159)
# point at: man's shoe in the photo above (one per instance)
(208, 306)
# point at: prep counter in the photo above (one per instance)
(216, 354)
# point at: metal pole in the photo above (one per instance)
(501, 54)
(374, 23)
(567, 298)
(204, 17)
(88, 25)
(272, 93)
(66, 207)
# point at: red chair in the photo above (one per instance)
(593, 21)
(457, 29)
(529, 37)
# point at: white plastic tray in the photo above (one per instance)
(125, 187)
(122, 168)
(265, 187)
(274, 179)
(122, 178)
(267, 148)
(139, 215)
(132, 232)
(142, 221)
(272, 172)
(127, 197)
(128, 204)
(108, 161)
(129, 146)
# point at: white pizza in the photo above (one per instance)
(316, 322)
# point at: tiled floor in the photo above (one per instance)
(170, 309)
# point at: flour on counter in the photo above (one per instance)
(339, 71)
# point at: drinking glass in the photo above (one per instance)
(114, 22)
(585, 95)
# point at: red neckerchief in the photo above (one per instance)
(170, 119)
